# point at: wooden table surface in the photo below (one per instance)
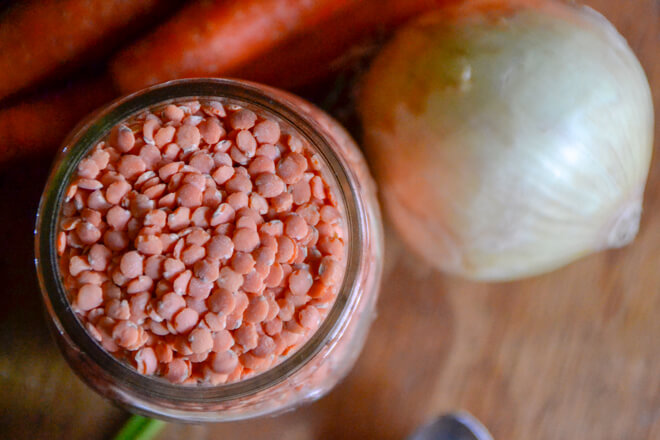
(570, 355)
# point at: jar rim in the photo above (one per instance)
(89, 132)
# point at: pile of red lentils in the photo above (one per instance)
(200, 243)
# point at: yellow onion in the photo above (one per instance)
(509, 138)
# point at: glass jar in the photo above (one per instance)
(308, 373)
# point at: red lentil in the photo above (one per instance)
(203, 247)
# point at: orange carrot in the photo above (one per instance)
(39, 36)
(39, 125)
(311, 56)
(211, 37)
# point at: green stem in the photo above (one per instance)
(140, 428)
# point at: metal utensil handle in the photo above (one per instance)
(454, 426)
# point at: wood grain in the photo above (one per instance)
(570, 355)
